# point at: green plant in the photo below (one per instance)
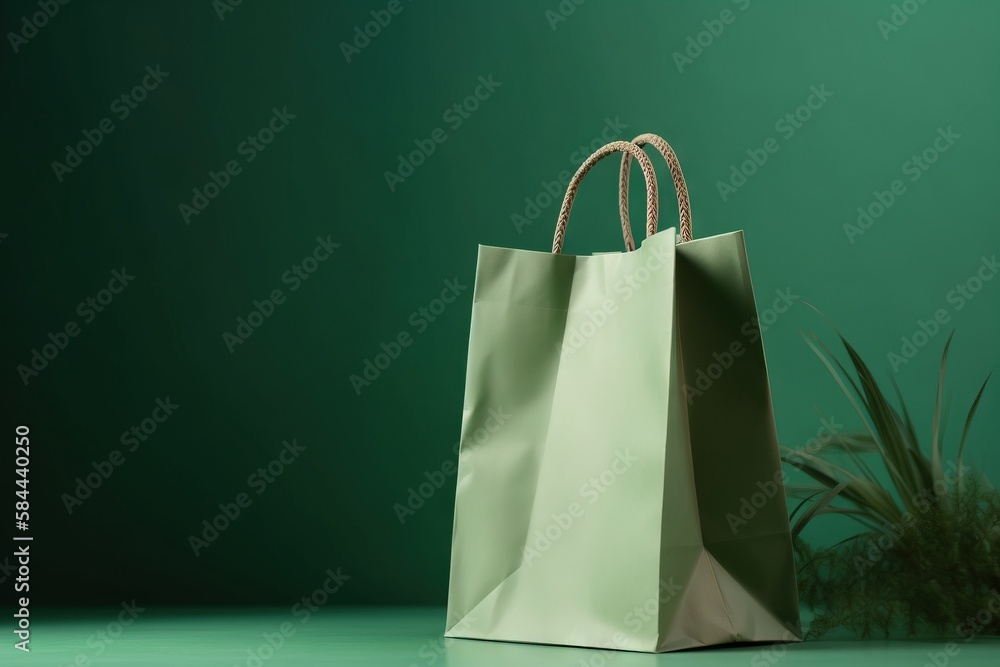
(928, 558)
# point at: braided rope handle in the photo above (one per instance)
(683, 201)
(631, 150)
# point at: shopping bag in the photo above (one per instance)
(617, 426)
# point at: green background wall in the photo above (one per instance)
(324, 176)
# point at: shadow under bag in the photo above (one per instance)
(619, 484)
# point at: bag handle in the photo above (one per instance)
(631, 150)
(683, 201)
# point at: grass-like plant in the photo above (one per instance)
(928, 558)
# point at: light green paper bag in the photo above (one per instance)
(596, 498)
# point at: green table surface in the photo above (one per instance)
(410, 637)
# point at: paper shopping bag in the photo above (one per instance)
(597, 478)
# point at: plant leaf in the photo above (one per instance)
(937, 458)
(895, 456)
(817, 506)
(907, 421)
(799, 506)
(858, 442)
(866, 495)
(802, 490)
(910, 439)
(836, 376)
(965, 430)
